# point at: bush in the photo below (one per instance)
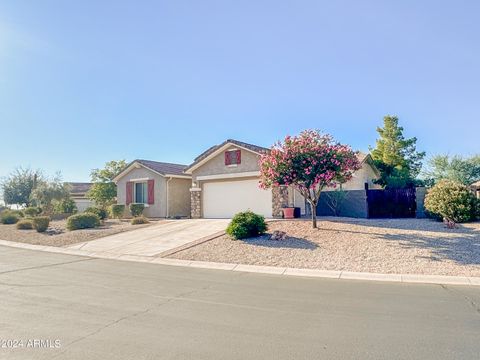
(101, 213)
(65, 206)
(246, 224)
(117, 211)
(452, 201)
(138, 220)
(26, 224)
(136, 209)
(32, 211)
(41, 223)
(83, 221)
(9, 217)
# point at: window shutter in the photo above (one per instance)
(151, 192)
(129, 192)
(228, 161)
(239, 156)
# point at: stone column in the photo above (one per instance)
(279, 200)
(195, 203)
(420, 193)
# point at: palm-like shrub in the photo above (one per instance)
(451, 201)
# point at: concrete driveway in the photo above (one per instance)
(156, 239)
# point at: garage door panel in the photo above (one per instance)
(223, 199)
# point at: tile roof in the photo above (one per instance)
(362, 157)
(79, 187)
(162, 167)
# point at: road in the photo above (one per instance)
(107, 309)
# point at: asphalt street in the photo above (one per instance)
(55, 306)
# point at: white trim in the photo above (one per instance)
(195, 189)
(178, 176)
(229, 176)
(218, 152)
(139, 180)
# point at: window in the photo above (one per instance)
(141, 193)
(233, 157)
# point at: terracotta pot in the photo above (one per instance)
(288, 213)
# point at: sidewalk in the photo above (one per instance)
(342, 275)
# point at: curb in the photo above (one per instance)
(260, 269)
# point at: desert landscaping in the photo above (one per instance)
(58, 235)
(401, 246)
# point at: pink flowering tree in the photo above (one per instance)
(309, 162)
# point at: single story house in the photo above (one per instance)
(225, 181)
(78, 193)
(220, 182)
(162, 187)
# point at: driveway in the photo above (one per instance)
(156, 239)
(108, 309)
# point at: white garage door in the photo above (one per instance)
(225, 199)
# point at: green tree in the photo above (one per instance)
(47, 192)
(18, 186)
(104, 190)
(455, 168)
(396, 158)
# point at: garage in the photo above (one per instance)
(223, 199)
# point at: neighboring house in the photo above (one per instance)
(476, 188)
(162, 187)
(78, 193)
(225, 181)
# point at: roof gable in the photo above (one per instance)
(217, 149)
(160, 168)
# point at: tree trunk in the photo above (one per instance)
(313, 204)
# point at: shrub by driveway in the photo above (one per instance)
(407, 246)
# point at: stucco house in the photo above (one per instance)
(78, 193)
(225, 181)
(162, 187)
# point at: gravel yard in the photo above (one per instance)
(402, 246)
(58, 235)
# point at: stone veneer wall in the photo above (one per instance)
(279, 200)
(195, 203)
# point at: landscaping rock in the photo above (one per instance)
(278, 235)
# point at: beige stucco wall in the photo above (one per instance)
(159, 209)
(365, 175)
(179, 197)
(217, 165)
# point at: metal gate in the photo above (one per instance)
(392, 203)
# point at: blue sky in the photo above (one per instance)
(84, 82)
